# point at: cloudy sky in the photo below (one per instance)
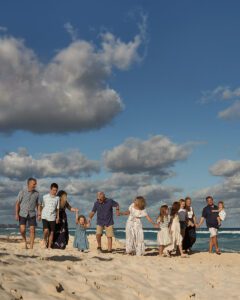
(130, 97)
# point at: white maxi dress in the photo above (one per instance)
(134, 231)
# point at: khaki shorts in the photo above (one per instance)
(213, 231)
(108, 229)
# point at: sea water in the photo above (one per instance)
(228, 238)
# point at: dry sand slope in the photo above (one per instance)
(69, 274)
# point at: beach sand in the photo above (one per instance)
(69, 274)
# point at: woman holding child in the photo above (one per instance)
(61, 234)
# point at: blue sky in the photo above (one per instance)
(179, 84)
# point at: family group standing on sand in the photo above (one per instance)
(177, 226)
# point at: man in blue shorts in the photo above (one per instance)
(210, 214)
(26, 205)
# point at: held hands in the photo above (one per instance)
(118, 212)
(156, 225)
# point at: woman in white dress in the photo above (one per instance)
(175, 231)
(134, 230)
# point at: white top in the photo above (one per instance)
(50, 205)
(135, 214)
(190, 213)
(222, 215)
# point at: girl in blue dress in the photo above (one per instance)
(80, 239)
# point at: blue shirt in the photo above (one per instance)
(28, 203)
(210, 213)
(104, 212)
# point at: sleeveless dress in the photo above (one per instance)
(80, 238)
(61, 234)
(163, 236)
(134, 231)
(176, 234)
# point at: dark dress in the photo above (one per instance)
(61, 233)
(190, 232)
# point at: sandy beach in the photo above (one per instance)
(70, 274)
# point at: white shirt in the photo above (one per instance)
(136, 214)
(50, 205)
(222, 215)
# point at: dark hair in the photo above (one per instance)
(82, 216)
(175, 208)
(61, 192)
(31, 179)
(162, 214)
(54, 185)
(209, 197)
(187, 207)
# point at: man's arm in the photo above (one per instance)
(91, 215)
(201, 222)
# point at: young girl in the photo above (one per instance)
(175, 230)
(221, 212)
(163, 237)
(134, 230)
(80, 239)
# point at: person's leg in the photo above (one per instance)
(32, 236)
(161, 250)
(110, 235)
(50, 240)
(210, 244)
(99, 236)
(23, 234)
(46, 236)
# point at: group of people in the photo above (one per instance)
(177, 225)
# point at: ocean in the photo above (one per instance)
(229, 238)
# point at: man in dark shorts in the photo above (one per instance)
(210, 214)
(50, 214)
(26, 205)
(104, 209)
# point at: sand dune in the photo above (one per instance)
(69, 274)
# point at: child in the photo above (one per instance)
(221, 212)
(163, 237)
(134, 231)
(80, 238)
(175, 230)
(49, 212)
(182, 214)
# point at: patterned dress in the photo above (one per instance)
(164, 237)
(80, 239)
(61, 234)
(134, 231)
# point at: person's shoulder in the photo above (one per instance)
(46, 196)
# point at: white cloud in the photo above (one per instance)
(154, 156)
(225, 93)
(225, 168)
(73, 32)
(68, 94)
(20, 165)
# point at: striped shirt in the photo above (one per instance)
(50, 205)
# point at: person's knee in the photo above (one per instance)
(22, 229)
(32, 229)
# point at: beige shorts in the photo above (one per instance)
(213, 231)
(108, 229)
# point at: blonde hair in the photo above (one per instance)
(140, 202)
(221, 202)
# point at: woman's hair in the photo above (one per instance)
(61, 195)
(140, 202)
(163, 210)
(186, 206)
(182, 201)
(83, 217)
(175, 208)
(221, 202)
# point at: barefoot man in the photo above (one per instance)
(104, 209)
(210, 214)
(26, 205)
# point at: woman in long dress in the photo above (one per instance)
(134, 230)
(190, 231)
(61, 234)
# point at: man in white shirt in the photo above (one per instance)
(50, 214)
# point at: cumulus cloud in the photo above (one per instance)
(68, 94)
(225, 168)
(225, 93)
(153, 156)
(20, 165)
